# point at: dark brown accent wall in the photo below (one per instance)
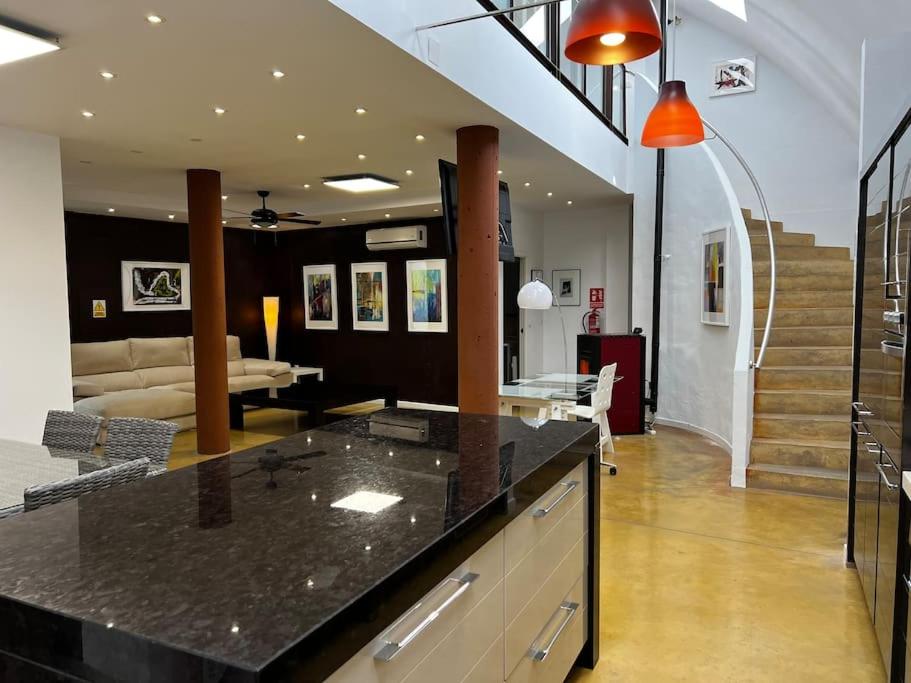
(422, 365)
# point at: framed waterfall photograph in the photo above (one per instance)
(155, 286)
(426, 295)
(320, 297)
(369, 297)
(714, 266)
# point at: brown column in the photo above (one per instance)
(207, 294)
(478, 156)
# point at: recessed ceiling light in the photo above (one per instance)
(362, 182)
(224, 222)
(300, 137)
(107, 75)
(306, 186)
(550, 194)
(409, 172)
(219, 110)
(235, 628)
(111, 209)
(419, 137)
(388, 215)
(154, 19)
(499, 172)
(366, 501)
(436, 210)
(278, 73)
(84, 161)
(344, 220)
(87, 114)
(527, 184)
(367, 547)
(360, 111)
(569, 202)
(361, 157)
(171, 216)
(16, 45)
(224, 197)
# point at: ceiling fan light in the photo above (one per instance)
(612, 31)
(674, 121)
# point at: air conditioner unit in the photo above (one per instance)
(406, 237)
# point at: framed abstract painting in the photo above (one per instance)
(426, 296)
(714, 266)
(155, 286)
(320, 297)
(369, 297)
(733, 76)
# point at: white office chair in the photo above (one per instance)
(597, 412)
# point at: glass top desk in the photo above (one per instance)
(551, 395)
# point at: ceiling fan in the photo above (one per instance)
(267, 218)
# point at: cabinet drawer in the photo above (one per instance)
(552, 590)
(531, 572)
(564, 632)
(455, 599)
(533, 524)
(490, 667)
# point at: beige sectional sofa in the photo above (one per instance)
(154, 378)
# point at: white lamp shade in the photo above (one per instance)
(535, 296)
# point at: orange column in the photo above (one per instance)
(207, 294)
(478, 157)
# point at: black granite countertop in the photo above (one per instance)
(214, 560)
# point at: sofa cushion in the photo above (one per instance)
(159, 352)
(188, 387)
(233, 343)
(113, 381)
(158, 377)
(236, 368)
(258, 366)
(246, 382)
(83, 389)
(95, 358)
(157, 404)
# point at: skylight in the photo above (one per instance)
(736, 7)
(16, 45)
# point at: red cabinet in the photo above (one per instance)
(594, 351)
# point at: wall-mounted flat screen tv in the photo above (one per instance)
(449, 190)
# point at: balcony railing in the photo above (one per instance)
(542, 30)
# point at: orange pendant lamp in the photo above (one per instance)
(612, 31)
(674, 121)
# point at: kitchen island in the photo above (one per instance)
(464, 545)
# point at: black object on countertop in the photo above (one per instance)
(131, 580)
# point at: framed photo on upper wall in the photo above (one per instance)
(714, 277)
(567, 286)
(369, 297)
(426, 296)
(155, 286)
(320, 297)
(734, 76)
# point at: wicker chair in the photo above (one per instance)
(71, 431)
(130, 438)
(65, 489)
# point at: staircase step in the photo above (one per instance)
(782, 239)
(805, 317)
(797, 426)
(840, 335)
(829, 455)
(808, 267)
(804, 376)
(754, 223)
(761, 253)
(805, 355)
(814, 299)
(819, 282)
(811, 481)
(831, 402)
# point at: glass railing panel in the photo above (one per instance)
(572, 71)
(617, 114)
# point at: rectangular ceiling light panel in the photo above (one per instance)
(366, 501)
(16, 45)
(361, 183)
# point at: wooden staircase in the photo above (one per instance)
(801, 411)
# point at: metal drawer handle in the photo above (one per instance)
(907, 582)
(543, 512)
(894, 349)
(882, 473)
(540, 654)
(392, 648)
(872, 447)
(893, 317)
(861, 409)
(860, 428)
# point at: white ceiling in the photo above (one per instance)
(132, 154)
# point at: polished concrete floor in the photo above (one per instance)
(699, 581)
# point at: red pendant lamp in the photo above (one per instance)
(612, 31)
(674, 121)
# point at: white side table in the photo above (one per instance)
(299, 371)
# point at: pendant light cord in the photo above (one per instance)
(674, 53)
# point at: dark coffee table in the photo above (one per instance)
(313, 397)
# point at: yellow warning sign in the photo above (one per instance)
(99, 308)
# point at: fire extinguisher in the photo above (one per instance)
(593, 321)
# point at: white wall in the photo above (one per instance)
(802, 153)
(885, 97)
(595, 240)
(35, 342)
(482, 58)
